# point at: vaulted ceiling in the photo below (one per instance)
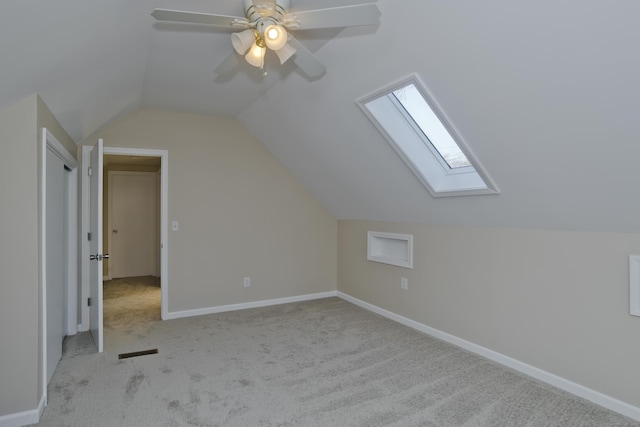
(545, 94)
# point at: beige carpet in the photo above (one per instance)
(317, 363)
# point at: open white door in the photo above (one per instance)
(95, 269)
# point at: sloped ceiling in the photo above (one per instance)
(544, 93)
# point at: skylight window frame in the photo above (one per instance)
(440, 181)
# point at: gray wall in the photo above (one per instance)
(553, 299)
(48, 120)
(19, 316)
(240, 212)
(21, 375)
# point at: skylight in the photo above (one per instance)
(416, 106)
(418, 131)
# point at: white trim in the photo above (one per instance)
(24, 418)
(49, 142)
(59, 149)
(247, 305)
(72, 258)
(41, 405)
(42, 276)
(634, 285)
(164, 211)
(84, 243)
(547, 377)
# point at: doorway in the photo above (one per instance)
(131, 227)
(131, 233)
(119, 161)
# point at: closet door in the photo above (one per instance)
(133, 219)
(56, 250)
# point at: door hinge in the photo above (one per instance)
(88, 236)
(90, 171)
(89, 302)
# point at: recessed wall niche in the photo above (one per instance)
(390, 248)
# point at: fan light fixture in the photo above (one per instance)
(275, 36)
(253, 43)
(267, 32)
(267, 25)
(256, 54)
(243, 40)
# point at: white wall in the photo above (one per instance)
(240, 213)
(553, 299)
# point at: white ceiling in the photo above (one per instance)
(544, 93)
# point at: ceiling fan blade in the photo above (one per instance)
(343, 16)
(304, 59)
(228, 65)
(200, 18)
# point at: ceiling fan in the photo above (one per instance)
(267, 25)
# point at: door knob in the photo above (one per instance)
(114, 231)
(98, 257)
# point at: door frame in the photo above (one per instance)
(84, 225)
(48, 141)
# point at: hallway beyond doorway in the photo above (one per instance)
(129, 301)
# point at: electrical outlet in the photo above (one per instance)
(247, 282)
(404, 283)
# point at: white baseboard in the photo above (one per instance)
(244, 306)
(547, 377)
(41, 406)
(72, 330)
(20, 419)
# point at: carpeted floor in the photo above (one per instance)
(317, 363)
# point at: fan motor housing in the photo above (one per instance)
(256, 10)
